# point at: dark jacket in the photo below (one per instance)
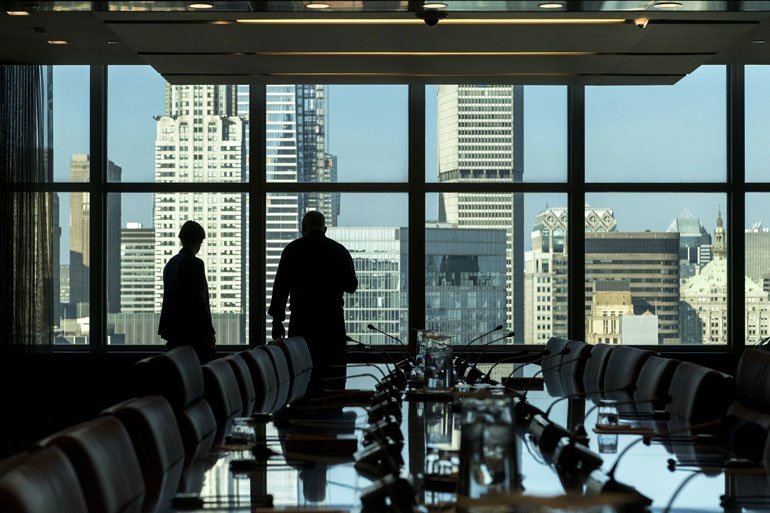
(186, 316)
(315, 271)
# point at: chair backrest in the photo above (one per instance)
(551, 366)
(154, 432)
(652, 384)
(222, 394)
(177, 375)
(596, 367)
(283, 379)
(623, 367)
(106, 464)
(699, 394)
(264, 377)
(245, 383)
(300, 364)
(752, 380)
(573, 366)
(44, 482)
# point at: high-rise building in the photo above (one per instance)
(200, 137)
(649, 262)
(704, 296)
(56, 257)
(545, 270)
(692, 236)
(295, 152)
(757, 253)
(480, 139)
(610, 302)
(80, 238)
(464, 280)
(137, 277)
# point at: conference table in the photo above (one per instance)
(237, 481)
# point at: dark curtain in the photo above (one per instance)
(26, 216)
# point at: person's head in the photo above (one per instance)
(192, 235)
(313, 220)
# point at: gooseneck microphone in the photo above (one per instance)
(376, 351)
(474, 375)
(543, 357)
(628, 389)
(486, 347)
(466, 346)
(564, 351)
(405, 350)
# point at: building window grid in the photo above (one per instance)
(734, 187)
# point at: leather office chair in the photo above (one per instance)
(153, 429)
(551, 365)
(752, 388)
(652, 384)
(595, 369)
(104, 459)
(45, 482)
(300, 365)
(222, 394)
(699, 394)
(264, 378)
(177, 376)
(245, 383)
(572, 370)
(283, 379)
(623, 367)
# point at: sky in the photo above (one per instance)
(645, 133)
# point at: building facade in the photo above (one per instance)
(200, 137)
(481, 139)
(137, 277)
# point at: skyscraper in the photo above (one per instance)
(295, 152)
(80, 238)
(137, 279)
(480, 139)
(692, 235)
(200, 137)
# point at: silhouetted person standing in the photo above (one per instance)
(315, 271)
(186, 316)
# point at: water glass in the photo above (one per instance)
(242, 431)
(608, 413)
(489, 459)
(608, 443)
(438, 366)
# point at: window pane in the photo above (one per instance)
(658, 133)
(373, 229)
(72, 267)
(757, 124)
(163, 133)
(656, 275)
(498, 133)
(757, 267)
(496, 259)
(145, 228)
(336, 133)
(71, 122)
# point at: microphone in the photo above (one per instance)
(405, 350)
(628, 389)
(564, 351)
(474, 375)
(459, 360)
(482, 353)
(375, 350)
(546, 355)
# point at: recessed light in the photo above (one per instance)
(454, 21)
(317, 5)
(57, 42)
(201, 6)
(17, 13)
(112, 42)
(668, 5)
(434, 5)
(551, 5)
(641, 22)
(758, 41)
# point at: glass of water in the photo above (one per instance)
(608, 413)
(438, 365)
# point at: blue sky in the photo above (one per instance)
(651, 133)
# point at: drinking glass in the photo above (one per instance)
(438, 365)
(242, 431)
(608, 413)
(489, 459)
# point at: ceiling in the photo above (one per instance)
(385, 41)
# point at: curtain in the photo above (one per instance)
(26, 211)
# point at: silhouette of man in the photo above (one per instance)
(315, 271)
(186, 316)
